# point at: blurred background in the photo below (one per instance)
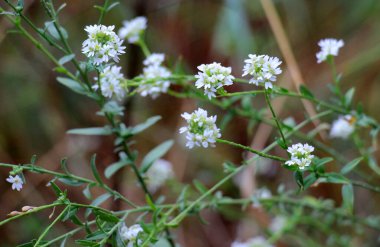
(36, 111)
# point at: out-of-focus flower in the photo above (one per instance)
(329, 47)
(263, 69)
(158, 173)
(111, 82)
(102, 44)
(258, 241)
(300, 155)
(343, 127)
(130, 233)
(16, 182)
(201, 130)
(132, 29)
(153, 84)
(277, 224)
(262, 193)
(212, 77)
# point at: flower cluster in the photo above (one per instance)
(343, 127)
(329, 47)
(263, 69)
(111, 82)
(300, 155)
(151, 73)
(158, 173)
(16, 182)
(201, 130)
(102, 44)
(131, 234)
(132, 29)
(258, 241)
(212, 77)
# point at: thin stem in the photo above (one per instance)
(51, 225)
(143, 47)
(103, 11)
(273, 157)
(275, 118)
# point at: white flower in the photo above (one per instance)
(329, 47)
(158, 173)
(262, 193)
(212, 77)
(201, 130)
(16, 182)
(130, 233)
(132, 29)
(342, 127)
(253, 242)
(263, 69)
(300, 155)
(154, 70)
(102, 44)
(111, 82)
(154, 59)
(277, 224)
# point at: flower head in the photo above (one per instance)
(102, 44)
(158, 173)
(263, 69)
(16, 182)
(329, 47)
(132, 29)
(130, 233)
(212, 77)
(343, 127)
(300, 155)
(111, 82)
(201, 130)
(154, 69)
(258, 241)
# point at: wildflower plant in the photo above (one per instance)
(156, 218)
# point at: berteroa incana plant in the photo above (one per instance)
(297, 218)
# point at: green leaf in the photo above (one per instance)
(335, 178)
(351, 165)
(306, 92)
(99, 200)
(323, 161)
(56, 189)
(155, 154)
(105, 216)
(309, 180)
(100, 131)
(348, 97)
(112, 6)
(73, 85)
(200, 187)
(141, 127)
(94, 170)
(70, 181)
(87, 192)
(111, 169)
(348, 197)
(373, 165)
(66, 59)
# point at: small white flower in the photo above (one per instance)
(154, 59)
(130, 233)
(343, 127)
(263, 69)
(277, 224)
(300, 155)
(329, 47)
(132, 29)
(16, 182)
(158, 173)
(152, 85)
(262, 193)
(201, 130)
(102, 44)
(258, 241)
(111, 82)
(212, 77)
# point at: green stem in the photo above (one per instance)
(273, 157)
(275, 118)
(143, 47)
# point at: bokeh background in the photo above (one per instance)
(36, 112)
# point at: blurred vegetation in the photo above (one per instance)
(36, 111)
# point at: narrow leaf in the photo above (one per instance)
(113, 168)
(351, 165)
(155, 154)
(140, 127)
(306, 92)
(100, 131)
(348, 197)
(66, 59)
